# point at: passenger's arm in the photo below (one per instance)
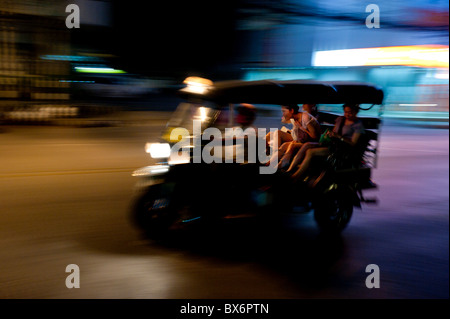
(312, 131)
(353, 141)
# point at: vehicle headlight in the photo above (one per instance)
(158, 150)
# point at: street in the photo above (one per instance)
(65, 199)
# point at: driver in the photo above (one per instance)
(245, 117)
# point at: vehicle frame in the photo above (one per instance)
(173, 195)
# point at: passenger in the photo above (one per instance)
(281, 136)
(308, 130)
(348, 129)
(305, 128)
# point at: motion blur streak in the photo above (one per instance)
(420, 56)
(69, 142)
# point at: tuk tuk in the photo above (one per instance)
(200, 178)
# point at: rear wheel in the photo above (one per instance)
(334, 209)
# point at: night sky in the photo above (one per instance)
(174, 37)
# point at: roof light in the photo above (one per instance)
(195, 84)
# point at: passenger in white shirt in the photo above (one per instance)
(306, 128)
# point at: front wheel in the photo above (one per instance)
(153, 214)
(334, 209)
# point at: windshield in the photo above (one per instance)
(186, 113)
(221, 117)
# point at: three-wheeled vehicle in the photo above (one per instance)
(200, 179)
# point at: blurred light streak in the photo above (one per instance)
(203, 115)
(69, 58)
(151, 170)
(442, 76)
(419, 56)
(75, 81)
(177, 162)
(417, 104)
(98, 70)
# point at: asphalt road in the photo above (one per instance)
(66, 194)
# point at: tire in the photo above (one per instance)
(152, 213)
(333, 210)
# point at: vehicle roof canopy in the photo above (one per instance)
(290, 92)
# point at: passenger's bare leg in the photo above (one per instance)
(281, 137)
(298, 158)
(304, 166)
(279, 153)
(271, 136)
(292, 149)
(268, 139)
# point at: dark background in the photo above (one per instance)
(173, 37)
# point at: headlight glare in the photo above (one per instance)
(158, 150)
